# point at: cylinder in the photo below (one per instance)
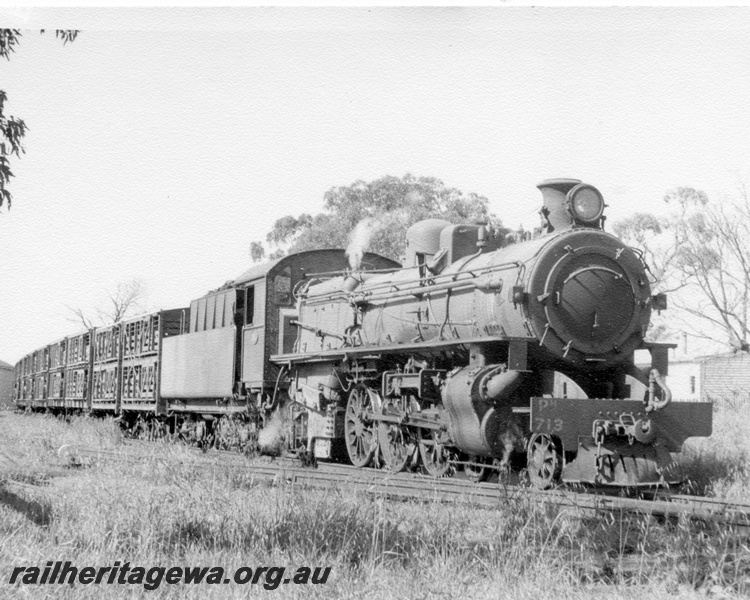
(478, 403)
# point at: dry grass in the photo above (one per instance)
(167, 511)
(720, 465)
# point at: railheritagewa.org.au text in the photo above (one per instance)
(123, 573)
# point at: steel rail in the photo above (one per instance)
(406, 485)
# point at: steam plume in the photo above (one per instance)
(359, 240)
(271, 438)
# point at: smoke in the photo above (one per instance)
(271, 438)
(359, 240)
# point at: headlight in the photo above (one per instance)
(585, 203)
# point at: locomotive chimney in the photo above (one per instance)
(555, 209)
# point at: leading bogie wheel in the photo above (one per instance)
(544, 461)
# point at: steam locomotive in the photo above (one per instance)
(450, 362)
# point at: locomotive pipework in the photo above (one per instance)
(582, 295)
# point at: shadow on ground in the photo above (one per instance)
(39, 513)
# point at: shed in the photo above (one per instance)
(726, 376)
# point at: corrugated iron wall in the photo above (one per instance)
(726, 380)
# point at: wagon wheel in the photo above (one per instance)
(220, 433)
(185, 431)
(435, 456)
(225, 433)
(359, 428)
(477, 471)
(140, 430)
(156, 430)
(543, 461)
(202, 436)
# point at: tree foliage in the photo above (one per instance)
(642, 230)
(257, 251)
(12, 129)
(385, 207)
(700, 255)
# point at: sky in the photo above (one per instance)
(163, 141)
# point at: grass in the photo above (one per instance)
(720, 465)
(165, 510)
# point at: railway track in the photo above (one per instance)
(413, 486)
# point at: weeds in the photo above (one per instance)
(167, 510)
(719, 466)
